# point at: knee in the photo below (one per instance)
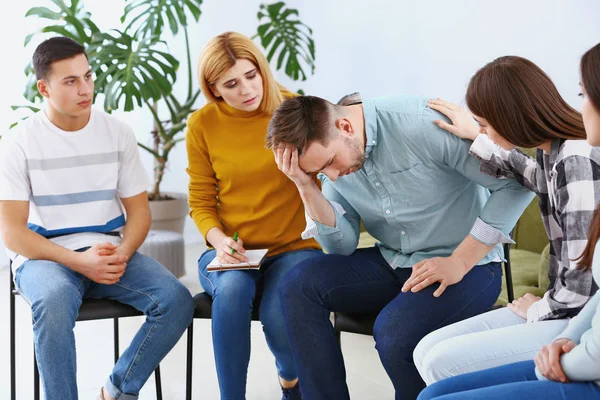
(422, 350)
(57, 308)
(288, 284)
(177, 303)
(393, 341)
(297, 285)
(437, 363)
(235, 289)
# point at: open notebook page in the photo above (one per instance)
(254, 259)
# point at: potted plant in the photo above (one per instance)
(134, 69)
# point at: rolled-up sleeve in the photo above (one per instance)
(343, 237)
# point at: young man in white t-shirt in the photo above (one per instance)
(68, 175)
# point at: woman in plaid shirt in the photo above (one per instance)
(569, 367)
(516, 104)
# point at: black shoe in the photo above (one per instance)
(292, 394)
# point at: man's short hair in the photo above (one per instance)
(350, 99)
(52, 50)
(300, 121)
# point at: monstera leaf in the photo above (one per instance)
(135, 70)
(31, 109)
(31, 92)
(72, 21)
(148, 16)
(283, 33)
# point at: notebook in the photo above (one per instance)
(255, 257)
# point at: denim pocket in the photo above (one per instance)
(493, 268)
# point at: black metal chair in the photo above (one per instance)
(90, 310)
(203, 311)
(363, 323)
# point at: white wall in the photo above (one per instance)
(376, 47)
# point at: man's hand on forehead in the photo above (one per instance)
(286, 157)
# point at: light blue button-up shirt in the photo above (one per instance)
(419, 192)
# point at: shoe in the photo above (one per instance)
(292, 394)
(101, 395)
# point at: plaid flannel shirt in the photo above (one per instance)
(567, 183)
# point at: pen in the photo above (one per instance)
(235, 235)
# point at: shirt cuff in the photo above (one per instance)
(539, 376)
(314, 228)
(483, 147)
(487, 234)
(536, 312)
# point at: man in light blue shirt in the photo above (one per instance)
(439, 222)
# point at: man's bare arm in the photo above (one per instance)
(106, 269)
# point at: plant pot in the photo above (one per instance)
(169, 215)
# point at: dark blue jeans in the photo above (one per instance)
(365, 283)
(511, 381)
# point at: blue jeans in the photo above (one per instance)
(55, 293)
(365, 283)
(512, 381)
(233, 294)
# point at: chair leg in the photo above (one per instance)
(508, 274)
(116, 334)
(338, 333)
(13, 377)
(190, 354)
(338, 337)
(36, 377)
(158, 383)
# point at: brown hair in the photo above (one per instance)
(300, 121)
(221, 53)
(590, 79)
(350, 99)
(521, 103)
(51, 50)
(590, 75)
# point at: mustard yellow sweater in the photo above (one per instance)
(235, 184)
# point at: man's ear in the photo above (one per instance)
(344, 126)
(43, 88)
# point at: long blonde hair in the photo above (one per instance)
(221, 53)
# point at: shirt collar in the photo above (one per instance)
(554, 150)
(370, 115)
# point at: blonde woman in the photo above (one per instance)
(235, 186)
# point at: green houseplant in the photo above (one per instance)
(134, 68)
